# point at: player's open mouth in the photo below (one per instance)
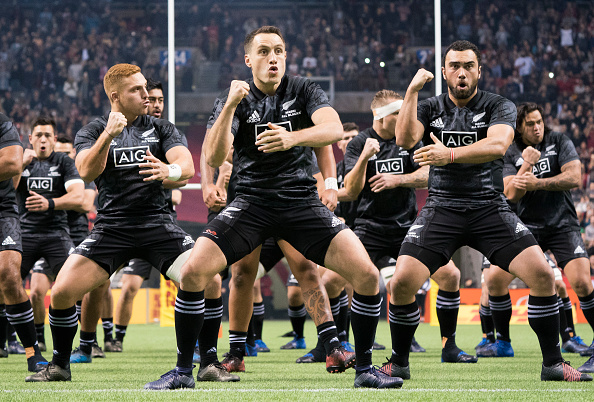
(462, 85)
(273, 69)
(42, 149)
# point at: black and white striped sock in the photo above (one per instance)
(189, 316)
(543, 317)
(365, 312)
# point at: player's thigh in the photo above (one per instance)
(243, 272)
(447, 277)
(78, 276)
(497, 280)
(301, 267)
(409, 276)
(532, 268)
(578, 274)
(334, 283)
(10, 276)
(347, 256)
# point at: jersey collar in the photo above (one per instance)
(259, 95)
(469, 105)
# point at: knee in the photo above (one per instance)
(582, 288)
(129, 293)
(61, 299)
(295, 296)
(37, 294)
(242, 279)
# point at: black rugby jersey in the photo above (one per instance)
(345, 209)
(390, 210)
(49, 178)
(542, 209)
(9, 136)
(124, 198)
(78, 222)
(276, 178)
(457, 127)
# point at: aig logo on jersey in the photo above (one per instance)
(260, 128)
(131, 156)
(453, 139)
(390, 166)
(39, 184)
(542, 166)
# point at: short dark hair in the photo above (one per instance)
(460, 46)
(44, 121)
(350, 127)
(64, 139)
(247, 43)
(523, 110)
(153, 84)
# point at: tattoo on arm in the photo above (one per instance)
(316, 306)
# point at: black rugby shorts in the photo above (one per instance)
(54, 247)
(10, 234)
(492, 229)
(242, 226)
(112, 246)
(138, 267)
(565, 246)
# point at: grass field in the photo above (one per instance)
(149, 351)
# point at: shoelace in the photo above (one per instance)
(569, 373)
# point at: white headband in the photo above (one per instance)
(386, 110)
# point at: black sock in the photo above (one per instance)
(63, 324)
(251, 337)
(40, 332)
(78, 309)
(447, 306)
(563, 329)
(237, 343)
(348, 324)
(328, 335)
(209, 335)
(189, 316)
(11, 335)
(258, 319)
(86, 341)
(365, 311)
(543, 317)
(120, 332)
(319, 352)
(404, 321)
(107, 324)
(342, 321)
(569, 314)
(297, 314)
(3, 326)
(587, 305)
(20, 317)
(501, 309)
(487, 323)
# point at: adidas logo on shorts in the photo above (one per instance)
(8, 242)
(578, 250)
(254, 118)
(188, 240)
(520, 228)
(336, 221)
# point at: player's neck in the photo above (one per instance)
(266, 88)
(462, 102)
(130, 117)
(384, 134)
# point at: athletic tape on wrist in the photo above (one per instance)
(174, 172)
(50, 204)
(331, 183)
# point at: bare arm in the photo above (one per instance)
(409, 130)
(327, 129)
(385, 181)
(214, 197)
(566, 180)
(354, 181)
(91, 162)
(88, 203)
(514, 187)
(327, 166)
(216, 145)
(12, 161)
(176, 197)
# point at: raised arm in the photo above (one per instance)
(91, 162)
(216, 145)
(354, 181)
(409, 130)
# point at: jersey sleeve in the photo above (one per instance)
(9, 135)
(171, 137)
(509, 166)
(504, 112)
(353, 152)
(567, 151)
(316, 98)
(87, 136)
(423, 112)
(70, 173)
(218, 108)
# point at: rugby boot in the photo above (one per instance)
(172, 380)
(573, 346)
(562, 371)
(216, 372)
(374, 378)
(339, 360)
(588, 366)
(296, 343)
(262, 346)
(416, 348)
(394, 370)
(460, 357)
(233, 364)
(51, 372)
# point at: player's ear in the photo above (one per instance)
(443, 72)
(247, 60)
(114, 96)
(479, 72)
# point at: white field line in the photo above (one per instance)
(260, 391)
